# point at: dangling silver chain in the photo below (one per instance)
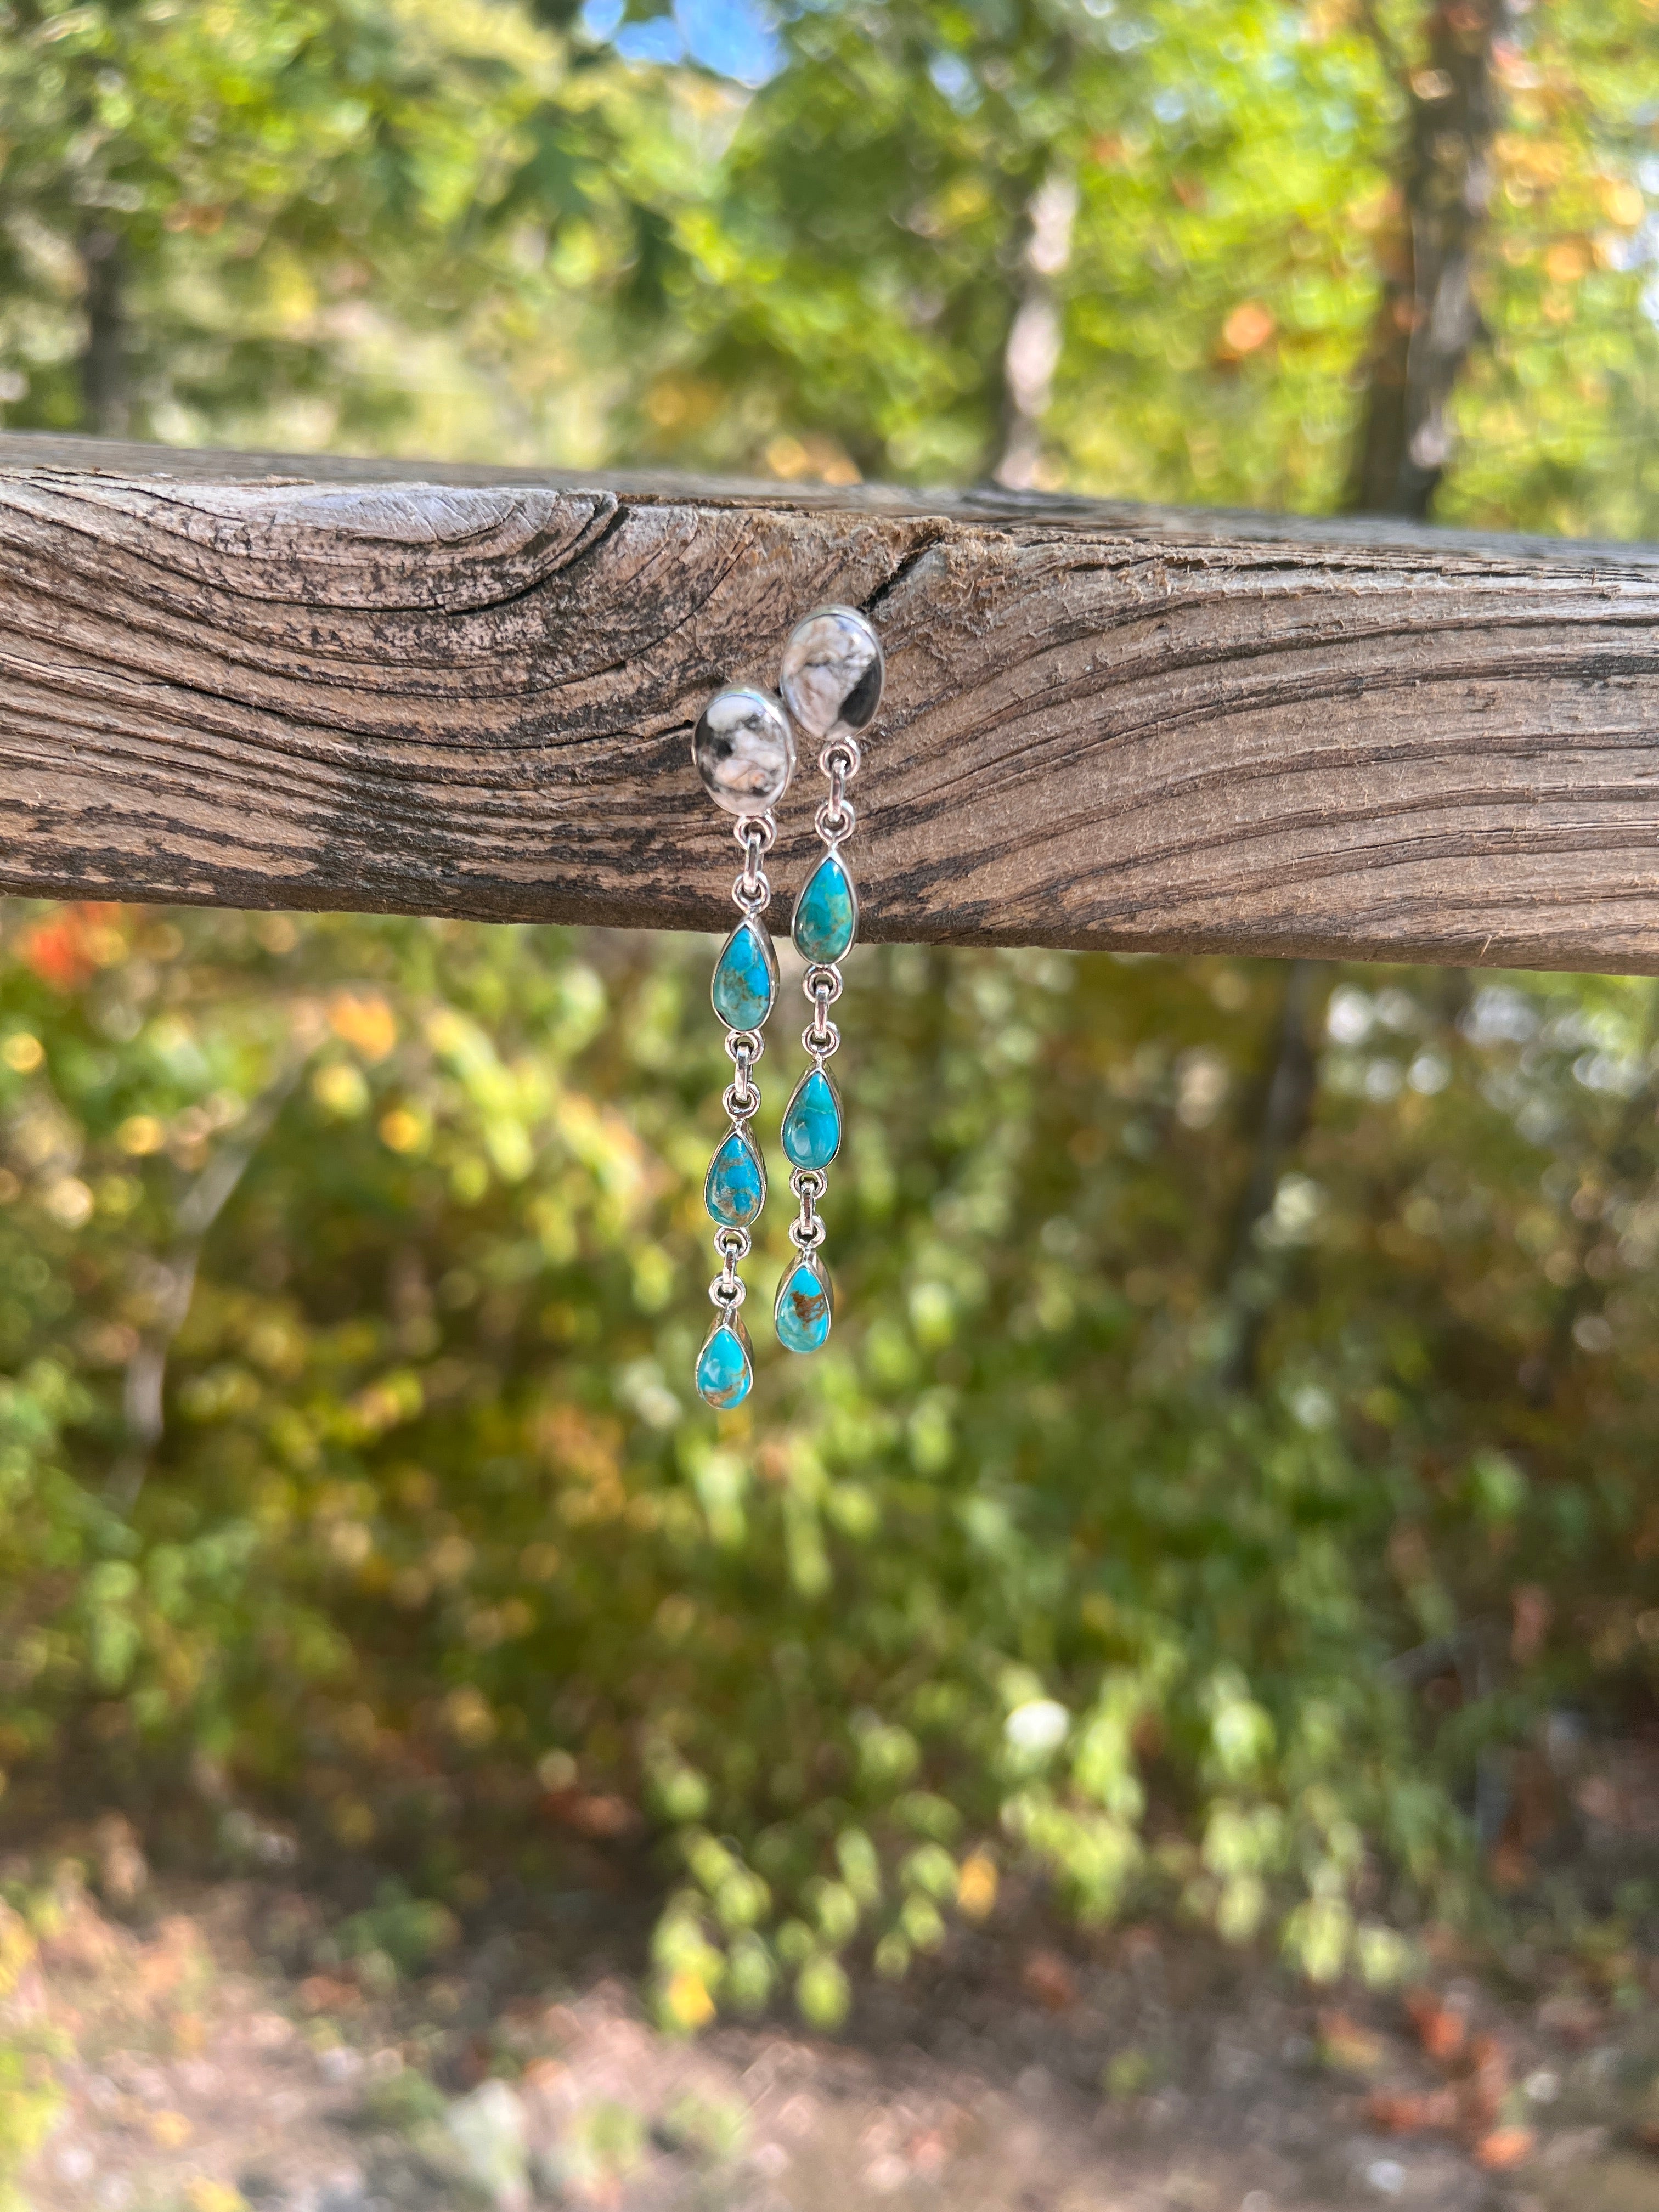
(743, 749)
(822, 983)
(751, 894)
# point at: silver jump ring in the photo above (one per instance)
(840, 754)
(745, 1044)
(741, 1101)
(834, 822)
(822, 977)
(821, 1042)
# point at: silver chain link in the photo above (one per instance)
(823, 986)
(751, 893)
(742, 1096)
(807, 1232)
(726, 1291)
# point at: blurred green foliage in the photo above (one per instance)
(476, 230)
(351, 1271)
(438, 1542)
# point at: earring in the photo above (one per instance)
(832, 676)
(745, 751)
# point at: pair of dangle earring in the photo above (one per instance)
(744, 748)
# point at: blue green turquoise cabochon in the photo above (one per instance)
(726, 1373)
(803, 1310)
(812, 1122)
(827, 912)
(734, 1189)
(745, 977)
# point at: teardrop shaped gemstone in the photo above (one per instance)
(745, 977)
(812, 1122)
(726, 1373)
(802, 1313)
(826, 912)
(734, 1189)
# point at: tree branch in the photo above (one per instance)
(1377, 32)
(143, 1389)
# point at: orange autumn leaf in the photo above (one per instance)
(67, 949)
(363, 1020)
(599, 1814)
(1505, 2148)
(1048, 1977)
(1440, 2028)
(1248, 328)
(1411, 2111)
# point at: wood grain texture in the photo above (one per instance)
(254, 681)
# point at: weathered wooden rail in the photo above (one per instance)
(255, 681)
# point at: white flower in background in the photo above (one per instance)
(1037, 1726)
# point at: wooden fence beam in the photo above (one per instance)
(254, 681)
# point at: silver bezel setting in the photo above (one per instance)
(833, 672)
(744, 749)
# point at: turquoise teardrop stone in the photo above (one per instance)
(826, 912)
(745, 977)
(803, 1309)
(812, 1122)
(725, 1375)
(734, 1189)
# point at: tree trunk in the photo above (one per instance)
(1031, 352)
(1427, 321)
(104, 394)
(1251, 1277)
